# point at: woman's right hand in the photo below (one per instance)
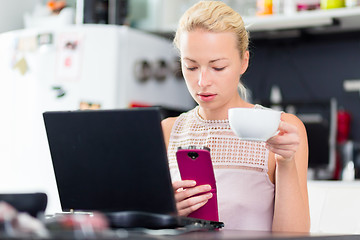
(186, 201)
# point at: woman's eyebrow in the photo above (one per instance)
(211, 61)
(189, 59)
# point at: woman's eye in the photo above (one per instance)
(219, 69)
(191, 68)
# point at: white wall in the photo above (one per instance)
(12, 12)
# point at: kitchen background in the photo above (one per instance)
(305, 59)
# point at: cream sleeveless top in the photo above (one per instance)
(245, 192)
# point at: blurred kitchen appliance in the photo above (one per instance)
(348, 158)
(349, 154)
(343, 126)
(102, 11)
(320, 120)
(87, 66)
(344, 158)
(157, 15)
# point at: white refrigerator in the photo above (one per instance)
(104, 66)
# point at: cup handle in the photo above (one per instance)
(276, 133)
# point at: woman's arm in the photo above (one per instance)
(167, 125)
(290, 148)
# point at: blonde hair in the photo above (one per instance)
(215, 16)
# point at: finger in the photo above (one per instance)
(187, 203)
(287, 127)
(187, 211)
(282, 146)
(275, 148)
(284, 153)
(285, 138)
(183, 184)
(189, 192)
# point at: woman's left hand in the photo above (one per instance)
(285, 143)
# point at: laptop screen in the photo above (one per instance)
(110, 160)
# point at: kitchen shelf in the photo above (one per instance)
(314, 22)
(346, 18)
(335, 20)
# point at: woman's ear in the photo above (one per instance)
(245, 62)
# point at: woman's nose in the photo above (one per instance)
(204, 79)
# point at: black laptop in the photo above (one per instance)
(115, 162)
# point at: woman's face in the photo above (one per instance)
(212, 67)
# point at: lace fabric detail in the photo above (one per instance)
(227, 150)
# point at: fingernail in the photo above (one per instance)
(209, 195)
(208, 187)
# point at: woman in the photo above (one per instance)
(265, 190)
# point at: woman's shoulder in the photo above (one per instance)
(167, 123)
(295, 121)
(292, 119)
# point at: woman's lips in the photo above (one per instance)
(206, 97)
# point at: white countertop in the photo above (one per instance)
(334, 206)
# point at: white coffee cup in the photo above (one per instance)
(254, 124)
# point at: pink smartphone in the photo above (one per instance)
(195, 164)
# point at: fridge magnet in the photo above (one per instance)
(27, 44)
(45, 39)
(60, 92)
(69, 57)
(22, 66)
